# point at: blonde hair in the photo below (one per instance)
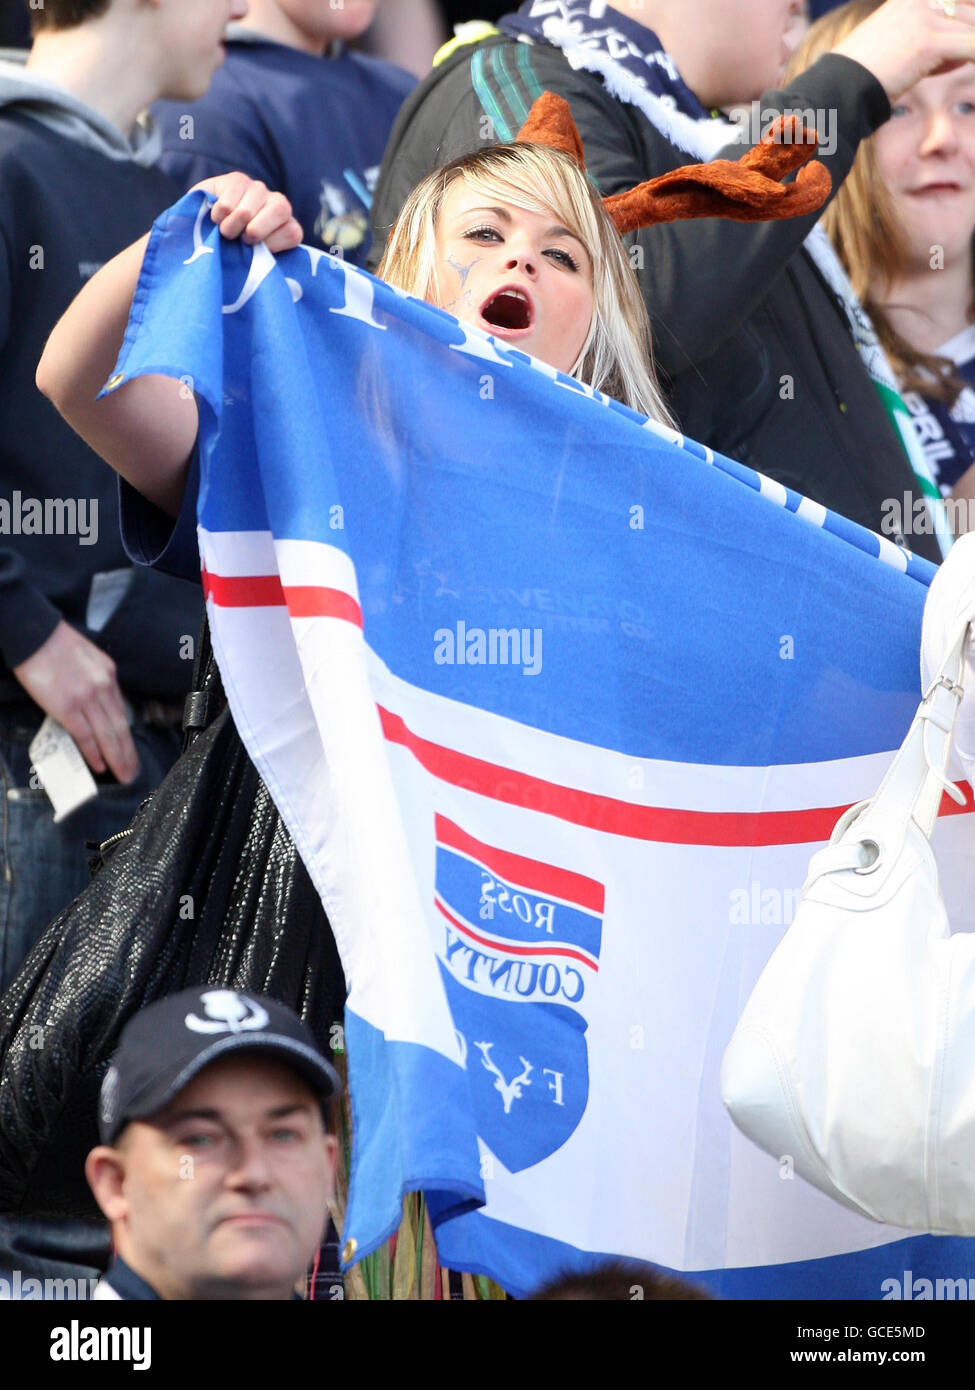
(863, 225)
(616, 357)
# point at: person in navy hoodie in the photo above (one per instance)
(83, 639)
(294, 108)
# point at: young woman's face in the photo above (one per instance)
(518, 275)
(926, 157)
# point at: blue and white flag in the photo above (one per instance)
(556, 705)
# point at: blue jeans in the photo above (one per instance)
(44, 866)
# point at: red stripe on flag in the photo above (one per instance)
(526, 873)
(266, 591)
(510, 947)
(307, 601)
(663, 824)
(243, 591)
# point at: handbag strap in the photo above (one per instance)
(936, 717)
(915, 780)
(913, 785)
(206, 698)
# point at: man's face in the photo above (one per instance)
(727, 51)
(224, 1194)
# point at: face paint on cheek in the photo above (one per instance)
(463, 300)
(462, 270)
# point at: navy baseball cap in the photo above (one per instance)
(164, 1046)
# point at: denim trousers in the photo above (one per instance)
(44, 866)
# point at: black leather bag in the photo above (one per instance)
(205, 887)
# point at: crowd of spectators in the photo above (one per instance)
(755, 336)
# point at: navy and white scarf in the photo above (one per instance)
(632, 63)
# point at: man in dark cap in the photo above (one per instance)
(216, 1165)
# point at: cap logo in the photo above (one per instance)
(109, 1096)
(227, 1012)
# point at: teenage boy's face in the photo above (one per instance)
(224, 1193)
(191, 35)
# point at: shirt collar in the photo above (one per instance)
(127, 1284)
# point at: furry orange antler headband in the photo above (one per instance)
(746, 189)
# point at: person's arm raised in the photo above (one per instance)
(147, 428)
(694, 309)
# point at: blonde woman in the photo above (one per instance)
(513, 240)
(463, 226)
(902, 224)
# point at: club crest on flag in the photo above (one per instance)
(519, 954)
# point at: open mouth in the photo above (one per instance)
(509, 310)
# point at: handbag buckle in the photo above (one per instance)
(874, 855)
(951, 686)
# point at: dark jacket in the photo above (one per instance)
(66, 208)
(753, 349)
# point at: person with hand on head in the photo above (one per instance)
(903, 225)
(216, 1165)
(756, 359)
(294, 107)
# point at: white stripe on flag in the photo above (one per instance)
(316, 565)
(237, 553)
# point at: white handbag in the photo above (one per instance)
(855, 1054)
